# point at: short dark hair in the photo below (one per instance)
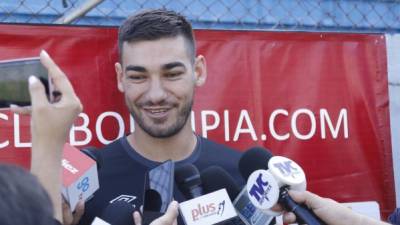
(156, 24)
(23, 199)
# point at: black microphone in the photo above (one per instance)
(305, 215)
(187, 177)
(118, 213)
(215, 178)
(258, 158)
(211, 208)
(254, 159)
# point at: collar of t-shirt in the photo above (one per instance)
(149, 163)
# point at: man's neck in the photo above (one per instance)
(177, 147)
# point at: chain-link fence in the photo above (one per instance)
(324, 15)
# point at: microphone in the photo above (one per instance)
(287, 173)
(291, 176)
(79, 176)
(212, 208)
(264, 185)
(263, 190)
(216, 177)
(118, 213)
(253, 159)
(187, 177)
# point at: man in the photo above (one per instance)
(158, 73)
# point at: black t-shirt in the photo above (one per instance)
(122, 172)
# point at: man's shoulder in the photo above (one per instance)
(113, 149)
(112, 155)
(116, 144)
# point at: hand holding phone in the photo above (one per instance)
(50, 125)
(14, 76)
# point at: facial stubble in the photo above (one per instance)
(154, 129)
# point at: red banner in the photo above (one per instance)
(320, 99)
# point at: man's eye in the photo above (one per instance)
(173, 75)
(136, 77)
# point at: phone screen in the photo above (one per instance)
(14, 76)
(158, 190)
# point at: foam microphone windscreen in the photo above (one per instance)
(254, 159)
(187, 177)
(215, 178)
(118, 213)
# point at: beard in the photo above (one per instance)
(154, 128)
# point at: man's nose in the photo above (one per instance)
(156, 92)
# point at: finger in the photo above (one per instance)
(277, 208)
(137, 218)
(289, 217)
(311, 200)
(172, 213)
(58, 77)
(22, 110)
(67, 215)
(37, 92)
(79, 211)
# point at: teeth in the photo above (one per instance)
(157, 110)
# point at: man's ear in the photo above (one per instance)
(120, 74)
(200, 70)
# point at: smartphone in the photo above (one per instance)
(14, 76)
(158, 190)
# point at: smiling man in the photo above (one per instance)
(158, 78)
(158, 73)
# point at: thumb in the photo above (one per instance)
(170, 215)
(172, 212)
(137, 218)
